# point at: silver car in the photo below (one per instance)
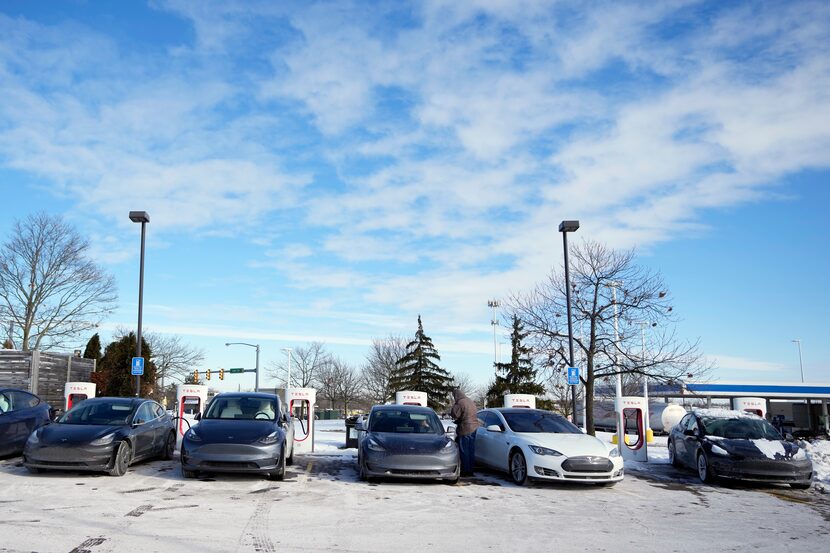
(240, 432)
(406, 441)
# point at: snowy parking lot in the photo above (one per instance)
(322, 506)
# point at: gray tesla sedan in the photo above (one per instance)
(240, 432)
(406, 441)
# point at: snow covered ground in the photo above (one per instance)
(322, 506)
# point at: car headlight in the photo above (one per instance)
(33, 439)
(373, 445)
(539, 450)
(104, 440)
(269, 439)
(718, 450)
(614, 453)
(192, 436)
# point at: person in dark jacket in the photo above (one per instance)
(464, 415)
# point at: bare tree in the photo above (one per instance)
(339, 382)
(49, 288)
(381, 362)
(326, 383)
(174, 358)
(306, 362)
(599, 273)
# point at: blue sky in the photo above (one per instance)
(329, 170)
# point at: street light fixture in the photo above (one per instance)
(256, 370)
(139, 217)
(565, 227)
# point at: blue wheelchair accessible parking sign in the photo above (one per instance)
(138, 366)
(573, 376)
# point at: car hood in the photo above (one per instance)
(758, 449)
(410, 443)
(233, 431)
(569, 445)
(75, 434)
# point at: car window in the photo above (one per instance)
(741, 428)
(22, 400)
(539, 421)
(114, 412)
(491, 418)
(405, 422)
(684, 421)
(158, 409)
(5, 402)
(691, 424)
(145, 413)
(480, 416)
(244, 408)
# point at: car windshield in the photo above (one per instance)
(242, 408)
(740, 428)
(539, 421)
(115, 412)
(405, 422)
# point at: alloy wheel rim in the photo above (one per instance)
(701, 467)
(518, 469)
(671, 452)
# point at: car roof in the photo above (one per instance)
(133, 400)
(512, 410)
(397, 407)
(258, 395)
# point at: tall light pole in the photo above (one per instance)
(643, 325)
(139, 217)
(800, 361)
(256, 370)
(494, 304)
(287, 380)
(565, 227)
(618, 403)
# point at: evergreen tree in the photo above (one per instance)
(418, 370)
(115, 368)
(518, 376)
(93, 348)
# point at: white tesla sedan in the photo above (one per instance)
(536, 444)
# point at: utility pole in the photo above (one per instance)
(618, 403)
(494, 304)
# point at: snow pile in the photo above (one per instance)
(819, 454)
(725, 414)
(772, 449)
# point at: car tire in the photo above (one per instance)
(169, 447)
(121, 462)
(800, 485)
(704, 470)
(362, 472)
(290, 459)
(34, 470)
(675, 462)
(189, 473)
(279, 474)
(518, 468)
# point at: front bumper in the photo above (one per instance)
(426, 466)
(247, 458)
(70, 457)
(575, 469)
(763, 470)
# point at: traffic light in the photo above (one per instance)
(207, 374)
(221, 374)
(196, 376)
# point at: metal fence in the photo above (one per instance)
(43, 373)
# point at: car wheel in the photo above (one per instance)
(169, 447)
(704, 471)
(34, 470)
(800, 485)
(122, 460)
(362, 471)
(189, 473)
(280, 472)
(518, 468)
(675, 462)
(290, 459)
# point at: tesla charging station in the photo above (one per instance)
(632, 410)
(191, 399)
(301, 407)
(76, 392)
(411, 398)
(754, 405)
(525, 401)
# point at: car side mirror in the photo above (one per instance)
(789, 437)
(360, 426)
(138, 422)
(198, 417)
(451, 431)
(494, 428)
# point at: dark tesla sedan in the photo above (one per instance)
(103, 434)
(406, 441)
(737, 445)
(20, 413)
(240, 432)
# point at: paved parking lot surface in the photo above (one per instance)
(322, 506)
